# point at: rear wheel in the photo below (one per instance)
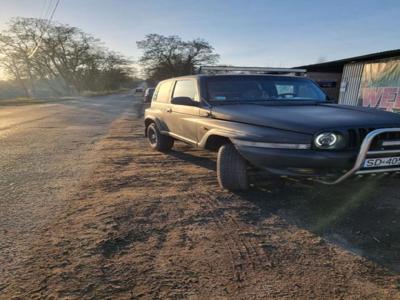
(158, 141)
(231, 169)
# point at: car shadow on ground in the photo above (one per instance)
(201, 161)
(360, 215)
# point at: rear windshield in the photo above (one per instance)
(262, 88)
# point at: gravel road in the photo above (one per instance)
(45, 150)
(91, 212)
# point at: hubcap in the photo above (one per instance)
(152, 136)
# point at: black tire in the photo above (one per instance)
(158, 141)
(231, 169)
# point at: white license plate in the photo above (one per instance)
(381, 162)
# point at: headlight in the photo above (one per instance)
(329, 140)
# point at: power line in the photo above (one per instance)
(48, 11)
(54, 10)
(46, 27)
(44, 9)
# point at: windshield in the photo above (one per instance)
(262, 88)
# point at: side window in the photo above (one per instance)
(162, 92)
(284, 89)
(185, 88)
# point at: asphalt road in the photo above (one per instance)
(44, 152)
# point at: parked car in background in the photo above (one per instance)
(139, 90)
(148, 94)
(282, 124)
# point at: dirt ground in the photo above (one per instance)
(147, 225)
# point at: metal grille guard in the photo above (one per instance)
(363, 154)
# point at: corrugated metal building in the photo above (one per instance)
(371, 80)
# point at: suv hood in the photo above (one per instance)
(306, 118)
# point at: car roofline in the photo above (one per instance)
(250, 75)
(195, 76)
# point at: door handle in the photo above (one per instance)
(169, 110)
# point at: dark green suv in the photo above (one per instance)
(282, 124)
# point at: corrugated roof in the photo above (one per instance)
(337, 65)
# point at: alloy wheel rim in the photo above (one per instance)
(152, 136)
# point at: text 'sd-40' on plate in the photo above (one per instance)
(382, 162)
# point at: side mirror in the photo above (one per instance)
(184, 101)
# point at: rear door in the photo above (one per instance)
(161, 103)
(182, 118)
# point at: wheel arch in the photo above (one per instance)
(147, 121)
(215, 141)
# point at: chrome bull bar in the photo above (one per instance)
(363, 154)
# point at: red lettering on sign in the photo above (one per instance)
(371, 96)
(388, 98)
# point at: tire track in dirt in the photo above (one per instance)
(240, 258)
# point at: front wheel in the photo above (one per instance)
(231, 169)
(158, 141)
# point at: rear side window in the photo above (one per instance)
(163, 92)
(185, 88)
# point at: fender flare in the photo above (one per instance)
(217, 132)
(151, 119)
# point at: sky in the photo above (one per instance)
(268, 33)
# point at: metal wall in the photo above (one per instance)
(350, 84)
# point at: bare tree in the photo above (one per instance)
(63, 57)
(169, 56)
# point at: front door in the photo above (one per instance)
(182, 118)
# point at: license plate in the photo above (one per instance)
(381, 162)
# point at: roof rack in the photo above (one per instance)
(250, 70)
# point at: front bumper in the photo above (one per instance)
(288, 158)
(344, 163)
